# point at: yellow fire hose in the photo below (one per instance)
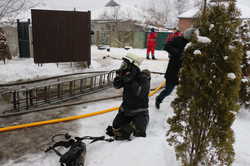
(9, 128)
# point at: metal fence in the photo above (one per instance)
(61, 36)
(23, 38)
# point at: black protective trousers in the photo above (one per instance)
(139, 121)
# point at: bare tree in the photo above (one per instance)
(165, 12)
(113, 14)
(157, 12)
(10, 9)
(182, 5)
(116, 21)
(198, 3)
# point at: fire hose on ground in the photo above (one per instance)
(9, 128)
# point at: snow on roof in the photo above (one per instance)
(190, 13)
(245, 11)
(112, 3)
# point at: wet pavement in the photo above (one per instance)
(17, 143)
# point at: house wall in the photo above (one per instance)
(185, 23)
(120, 39)
(117, 34)
(112, 26)
(121, 34)
(12, 39)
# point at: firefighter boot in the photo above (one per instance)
(123, 133)
(153, 57)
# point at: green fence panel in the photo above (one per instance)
(139, 40)
(160, 40)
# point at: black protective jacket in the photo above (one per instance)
(175, 48)
(135, 92)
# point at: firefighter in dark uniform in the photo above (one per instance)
(133, 116)
(175, 48)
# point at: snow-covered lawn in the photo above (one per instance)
(149, 151)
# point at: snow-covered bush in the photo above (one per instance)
(208, 91)
(244, 38)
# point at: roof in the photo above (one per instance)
(112, 3)
(190, 13)
(245, 11)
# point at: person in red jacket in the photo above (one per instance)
(175, 33)
(151, 43)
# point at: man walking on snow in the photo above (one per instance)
(175, 48)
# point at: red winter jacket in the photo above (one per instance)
(151, 39)
(173, 35)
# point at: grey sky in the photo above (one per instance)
(95, 4)
(83, 4)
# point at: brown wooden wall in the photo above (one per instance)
(61, 36)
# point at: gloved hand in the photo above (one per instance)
(118, 82)
(131, 74)
(109, 131)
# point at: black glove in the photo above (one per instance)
(171, 49)
(118, 82)
(109, 131)
(170, 56)
(131, 74)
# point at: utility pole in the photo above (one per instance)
(204, 6)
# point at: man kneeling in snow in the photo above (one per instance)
(133, 113)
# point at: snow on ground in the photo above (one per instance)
(147, 151)
(25, 68)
